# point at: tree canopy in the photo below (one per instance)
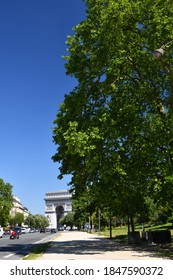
(37, 221)
(6, 200)
(17, 219)
(114, 130)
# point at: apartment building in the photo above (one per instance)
(18, 207)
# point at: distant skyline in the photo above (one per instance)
(32, 86)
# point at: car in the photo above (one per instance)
(61, 228)
(27, 230)
(32, 230)
(7, 232)
(68, 228)
(53, 230)
(1, 232)
(23, 230)
(42, 230)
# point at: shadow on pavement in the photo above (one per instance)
(100, 246)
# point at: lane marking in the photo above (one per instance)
(48, 237)
(8, 256)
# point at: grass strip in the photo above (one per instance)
(37, 251)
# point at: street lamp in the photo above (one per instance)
(158, 53)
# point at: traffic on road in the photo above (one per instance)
(17, 248)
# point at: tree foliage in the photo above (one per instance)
(17, 220)
(37, 221)
(6, 200)
(68, 220)
(114, 131)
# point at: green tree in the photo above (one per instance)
(17, 220)
(114, 130)
(30, 221)
(68, 220)
(6, 200)
(37, 221)
(41, 221)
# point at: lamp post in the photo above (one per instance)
(158, 54)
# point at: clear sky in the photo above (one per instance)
(32, 86)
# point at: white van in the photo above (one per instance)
(1, 232)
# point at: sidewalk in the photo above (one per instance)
(76, 245)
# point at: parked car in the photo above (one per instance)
(27, 230)
(42, 230)
(32, 230)
(60, 228)
(1, 232)
(23, 230)
(53, 230)
(7, 231)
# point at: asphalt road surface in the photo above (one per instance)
(16, 249)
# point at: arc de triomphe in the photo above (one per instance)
(58, 204)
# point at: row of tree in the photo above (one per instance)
(6, 204)
(37, 221)
(32, 221)
(86, 218)
(114, 130)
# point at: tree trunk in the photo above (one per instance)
(128, 223)
(110, 224)
(132, 223)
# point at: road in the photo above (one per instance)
(16, 249)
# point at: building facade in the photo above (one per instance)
(57, 205)
(18, 207)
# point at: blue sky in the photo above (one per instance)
(32, 86)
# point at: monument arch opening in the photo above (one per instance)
(59, 213)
